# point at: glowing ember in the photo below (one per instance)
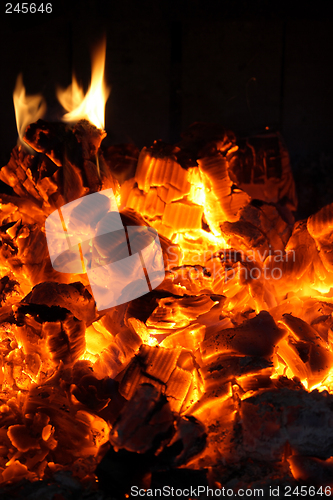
(228, 361)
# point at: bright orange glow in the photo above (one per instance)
(92, 105)
(97, 339)
(208, 404)
(193, 338)
(28, 109)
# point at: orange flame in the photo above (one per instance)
(28, 109)
(92, 105)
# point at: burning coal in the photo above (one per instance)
(221, 374)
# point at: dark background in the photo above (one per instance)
(244, 64)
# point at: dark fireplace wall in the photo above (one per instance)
(246, 65)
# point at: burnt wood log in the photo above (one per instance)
(312, 470)
(122, 161)
(145, 420)
(272, 418)
(68, 166)
(147, 437)
(75, 297)
(9, 290)
(51, 332)
(260, 228)
(254, 337)
(261, 166)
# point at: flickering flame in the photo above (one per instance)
(92, 105)
(28, 109)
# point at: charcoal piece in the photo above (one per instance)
(51, 332)
(92, 176)
(301, 329)
(307, 345)
(224, 200)
(320, 228)
(20, 173)
(75, 430)
(182, 216)
(179, 312)
(295, 263)
(206, 139)
(70, 181)
(314, 471)
(261, 166)
(274, 418)
(176, 153)
(118, 316)
(189, 440)
(260, 229)
(140, 308)
(59, 141)
(92, 392)
(75, 297)
(149, 205)
(81, 167)
(50, 139)
(157, 167)
(66, 339)
(15, 208)
(224, 368)
(114, 358)
(22, 439)
(179, 385)
(257, 159)
(154, 363)
(111, 412)
(189, 338)
(90, 138)
(9, 290)
(121, 160)
(170, 250)
(144, 421)
(271, 221)
(164, 192)
(147, 438)
(38, 179)
(23, 248)
(254, 337)
(320, 223)
(241, 234)
(193, 280)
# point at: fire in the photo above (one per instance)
(239, 331)
(90, 106)
(28, 109)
